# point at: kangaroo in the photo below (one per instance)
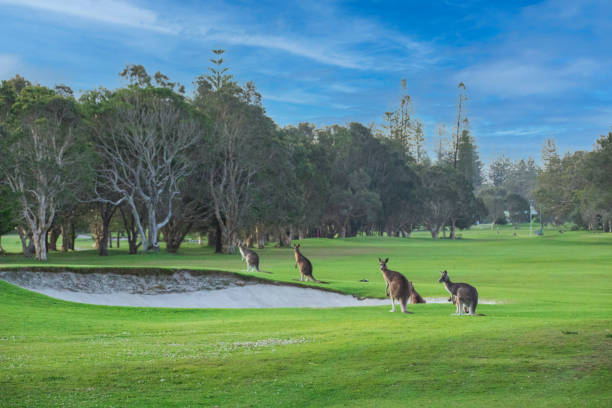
(304, 264)
(250, 256)
(414, 295)
(453, 300)
(464, 296)
(397, 286)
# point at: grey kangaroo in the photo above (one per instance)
(250, 256)
(304, 264)
(464, 296)
(397, 286)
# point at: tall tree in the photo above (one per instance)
(462, 123)
(238, 148)
(43, 148)
(143, 138)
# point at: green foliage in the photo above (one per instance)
(8, 210)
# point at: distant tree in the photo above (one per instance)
(462, 123)
(499, 170)
(494, 199)
(522, 178)
(518, 208)
(437, 197)
(468, 162)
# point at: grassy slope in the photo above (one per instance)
(549, 344)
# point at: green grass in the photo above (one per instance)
(548, 344)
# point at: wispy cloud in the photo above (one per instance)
(519, 77)
(295, 97)
(107, 11)
(524, 131)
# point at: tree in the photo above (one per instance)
(462, 123)
(238, 149)
(518, 208)
(494, 201)
(43, 148)
(438, 197)
(499, 170)
(143, 138)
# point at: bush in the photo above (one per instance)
(501, 221)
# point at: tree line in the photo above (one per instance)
(154, 163)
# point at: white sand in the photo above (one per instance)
(181, 290)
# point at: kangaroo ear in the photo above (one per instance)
(386, 260)
(379, 260)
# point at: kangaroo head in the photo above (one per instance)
(297, 246)
(443, 277)
(383, 264)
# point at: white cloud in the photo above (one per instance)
(107, 11)
(518, 77)
(523, 131)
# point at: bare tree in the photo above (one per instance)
(39, 158)
(143, 141)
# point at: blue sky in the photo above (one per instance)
(533, 69)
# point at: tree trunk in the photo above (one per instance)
(27, 245)
(435, 231)
(40, 245)
(107, 211)
(102, 241)
(444, 230)
(65, 239)
(260, 236)
(291, 235)
(1, 249)
(55, 233)
(452, 228)
(118, 239)
(283, 239)
(218, 238)
(131, 230)
(175, 233)
(71, 236)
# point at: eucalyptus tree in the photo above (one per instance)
(239, 148)
(142, 136)
(41, 154)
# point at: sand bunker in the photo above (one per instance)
(181, 289)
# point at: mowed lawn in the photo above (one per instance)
(547, 343)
